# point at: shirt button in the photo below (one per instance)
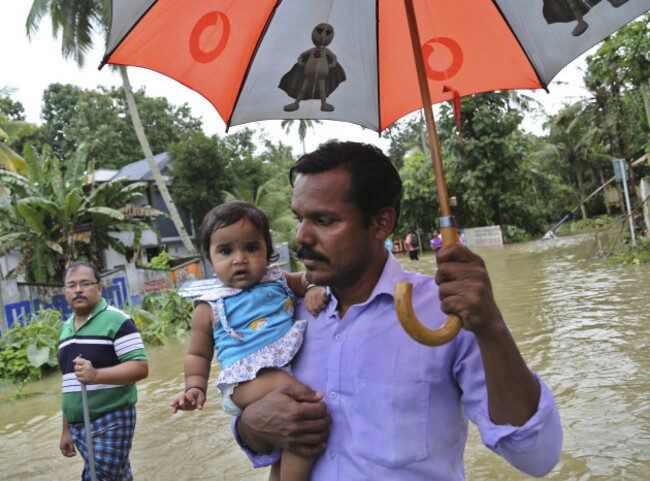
(332, 454)
(333, 394)
(339, 337)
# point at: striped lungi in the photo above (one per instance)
(112, 434)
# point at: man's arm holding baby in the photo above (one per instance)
(291, 417)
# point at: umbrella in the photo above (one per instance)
(368, 62)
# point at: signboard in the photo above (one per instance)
(619, 168)
(489, 236)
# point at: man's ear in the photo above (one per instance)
(383, 222)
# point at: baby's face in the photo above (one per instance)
(238, 254)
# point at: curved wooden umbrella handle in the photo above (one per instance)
(414, 328)
(403, 290)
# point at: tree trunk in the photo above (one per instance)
(160, 182)
(646, 101)
(579, 180)
(608, 208)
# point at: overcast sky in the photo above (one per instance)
(31, 66)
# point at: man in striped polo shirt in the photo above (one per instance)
(99, 346)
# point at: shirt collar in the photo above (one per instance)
(100, 307)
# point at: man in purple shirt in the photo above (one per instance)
(376, 404)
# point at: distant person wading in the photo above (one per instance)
(413, 245)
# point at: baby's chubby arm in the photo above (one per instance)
(197, 361)
(315, 296)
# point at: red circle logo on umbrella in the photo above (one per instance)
(456, 58)
(209, 24)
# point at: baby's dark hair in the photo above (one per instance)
(227, 214)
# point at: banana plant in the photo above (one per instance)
(55, 211)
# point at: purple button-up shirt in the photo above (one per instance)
(400, 409)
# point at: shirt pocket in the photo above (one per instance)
(391, 422)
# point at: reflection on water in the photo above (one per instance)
(578, 323)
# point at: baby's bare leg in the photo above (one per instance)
(274, 475)
(266, 381)
(294, 467)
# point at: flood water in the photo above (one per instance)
(581, 325)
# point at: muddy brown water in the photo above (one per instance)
(580, 324)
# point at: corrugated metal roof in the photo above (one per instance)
(140, 170)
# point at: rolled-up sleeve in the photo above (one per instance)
(258, 460)
(533, 448)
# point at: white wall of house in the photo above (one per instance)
(177, 250)
(114, 259)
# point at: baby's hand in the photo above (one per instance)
(188, 401)
(316, 300)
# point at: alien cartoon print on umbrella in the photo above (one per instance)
(239, 55)
(566, 11)
(317, 72)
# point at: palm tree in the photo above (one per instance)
(303, 126)
(76, 21)
(576, 140)
(9, 159)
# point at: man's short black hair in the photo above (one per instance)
(72, 266)
(375, 181)
(229, 213)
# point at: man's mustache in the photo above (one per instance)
(79, 297)
(305, 252)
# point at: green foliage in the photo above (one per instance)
(200, 172)
(206, 168)
(13, 130)
(161, 261)
(420, 208)
(100, 120)
(491, 175)
(626, 253)
(55, 214)
(29, 352)
(618, 77)
(75, 22)
(162, 316)
(404, 135)
(12, 110)
(585, 225)
(515, 234)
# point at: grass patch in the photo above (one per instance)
(626, 253)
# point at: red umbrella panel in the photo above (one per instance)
(352, 60)
(368, 62)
